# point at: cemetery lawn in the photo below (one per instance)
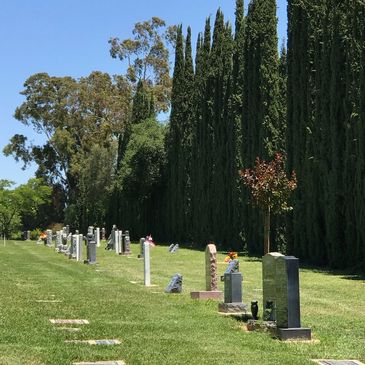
(154, 327)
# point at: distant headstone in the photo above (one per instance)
(211, 278)
(146, 262)
(141, 247)
(175, 285)
(281, 295)
(111, 240)
(118, 242)
(90, 247)
(28, 235)
(175, 248)
(79, 240)
(126, 244)
(49, 237)
(103, 233)
(73, 246)
(171, 247)
(97, 236)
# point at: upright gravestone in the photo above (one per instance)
(281, 295)
(73, 246)
(58, 241)
(170, 247)
(126, 244)
(211, 277)
(111, 240)
(141, 247)
(103, 233)
(175, 285)
(97, 236)
(146, 264)
(118, 242)
(28, 235)
(232, 290)
(49, 237)
(90, 247)
(79, 240)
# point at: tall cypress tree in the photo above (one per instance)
(186, 125)
(261, 127)
(201, 143)
(174, 225)
(234, 139)
(218, 96)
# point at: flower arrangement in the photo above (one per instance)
(231, 256)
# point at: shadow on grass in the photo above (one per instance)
(346, 274)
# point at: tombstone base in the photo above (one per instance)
(88, 262)
(232, 308)
(294, 333)
(206, 294)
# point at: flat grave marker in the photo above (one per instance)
(95, 342)
(113, 362)
(69, 329)
(338, 362)
(69, 321)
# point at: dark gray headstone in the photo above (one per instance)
(175, 285)
(233, 288)
(90, 247)
(111, 240)
(141, 247)
(287, 305)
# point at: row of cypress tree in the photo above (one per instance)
(325, 134)
(244, 100)
(240, 99)
(226, 111)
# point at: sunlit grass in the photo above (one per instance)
(154, 327)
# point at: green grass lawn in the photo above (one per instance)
(159, 328)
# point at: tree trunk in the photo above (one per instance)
(267, 231)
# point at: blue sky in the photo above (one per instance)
(70, 37)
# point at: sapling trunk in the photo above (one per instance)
(267, 231)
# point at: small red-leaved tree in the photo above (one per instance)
(270, 189)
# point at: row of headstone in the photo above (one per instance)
(119, 242)
(71, 244)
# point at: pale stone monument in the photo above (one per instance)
(49, 237)
(211, 277)
(146, 264)
(97, 236)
